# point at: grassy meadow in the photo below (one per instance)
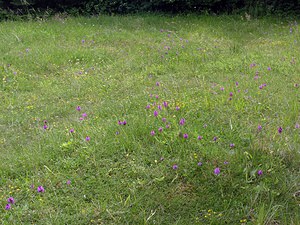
(150, 120)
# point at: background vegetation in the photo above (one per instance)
(92, 7)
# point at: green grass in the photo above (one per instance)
(110, 66)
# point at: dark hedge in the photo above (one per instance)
(92, 7)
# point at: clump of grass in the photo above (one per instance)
(150, 120)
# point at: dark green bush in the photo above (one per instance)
(91, 7)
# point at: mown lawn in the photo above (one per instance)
(150, 119)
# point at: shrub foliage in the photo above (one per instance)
(90, 7)
(174, 6)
